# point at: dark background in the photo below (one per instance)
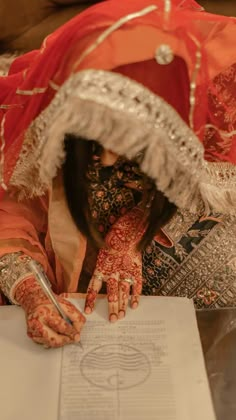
(25, 23)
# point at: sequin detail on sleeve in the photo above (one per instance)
(13, 269)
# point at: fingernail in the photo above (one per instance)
(88, 310)
(121, 314)
(77, 338)
(113, 318)
(134, 305)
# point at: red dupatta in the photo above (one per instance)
(176, 53)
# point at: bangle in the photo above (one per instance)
(13, 270)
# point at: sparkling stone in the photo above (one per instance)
(164, 54)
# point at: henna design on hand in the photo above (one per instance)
(120, 259)
(44, 324)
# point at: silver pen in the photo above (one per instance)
(44, 283)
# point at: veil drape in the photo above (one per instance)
(174, 49)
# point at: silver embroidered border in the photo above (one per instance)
(210, 265)
(127, 118)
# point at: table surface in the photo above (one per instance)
(218, 335)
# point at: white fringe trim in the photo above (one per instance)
(126, 118)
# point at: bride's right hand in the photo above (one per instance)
(44, 324)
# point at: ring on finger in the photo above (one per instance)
(99, 277)
(127, 280)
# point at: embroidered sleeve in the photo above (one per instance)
(13, 269)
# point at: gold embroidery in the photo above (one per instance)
(167, 6)
(33, 91)
(222, 106)
(3, 106)
(112, 29)
(223, 133)
(53, 85)
(44, 45)
(193, 84)
(2, 147)
(24, 74)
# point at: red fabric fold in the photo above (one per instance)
(29, 88)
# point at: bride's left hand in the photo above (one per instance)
(119, 264)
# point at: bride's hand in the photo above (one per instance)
(119, 264)
(44, 324)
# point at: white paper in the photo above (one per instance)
(147, 366)
(30, 375)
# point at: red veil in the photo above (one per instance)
(159, 74)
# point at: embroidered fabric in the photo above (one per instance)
(13, 270)
(104, 37)
(127, 118)
(221, 112)
(115, 189)
(197, 261)
(200, 264)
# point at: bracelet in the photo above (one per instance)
(13, 270)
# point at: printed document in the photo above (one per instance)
(147, 366)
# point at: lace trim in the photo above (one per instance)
(13, 270)
(128, 119)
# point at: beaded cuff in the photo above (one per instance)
(13, 269)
